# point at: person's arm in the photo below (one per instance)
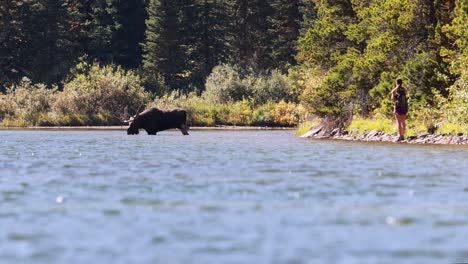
(393, 94)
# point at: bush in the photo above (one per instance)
(273, 87)
(457, 105)
(94, 96)
(225, 84)
(26, 104)
(99, 96)
(202, 112)
(240, 113)
(286, 114)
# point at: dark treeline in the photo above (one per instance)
(174, 43)
(43, 39)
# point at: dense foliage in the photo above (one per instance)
(337, 58)
(107, 95)
(354, 50)
(97, 95)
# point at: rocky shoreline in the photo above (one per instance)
(379, 136)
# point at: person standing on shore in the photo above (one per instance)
(400, 97)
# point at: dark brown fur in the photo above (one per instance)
(154, 120)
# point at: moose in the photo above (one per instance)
(154, 120)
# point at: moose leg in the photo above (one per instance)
(184, 128)
(151, 131)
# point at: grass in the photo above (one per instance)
(379, 123)
(306, 126)
(452, 129)
(414, 127)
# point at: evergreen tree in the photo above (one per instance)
(164, 57)
(326, 35)
(116, 30)
(284, 32)
(206, 39)
(129, 29)
(11, 42)
(325, 45)
(37, 40)
(249, 42)
(99, 31)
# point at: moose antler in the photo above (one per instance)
(131, 118)
(137, 111)
(126, 115)
(140, 108)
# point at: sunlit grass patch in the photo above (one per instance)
(452, 129)
(378, 123)
(306, 126)
(303, 128)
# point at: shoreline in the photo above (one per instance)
(123, 128)
(380, 136)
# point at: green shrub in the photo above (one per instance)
(273, 87)
(452, 129)
(202, 112)
(240, 113)
(26, 104)
(285, 114)
(98, 97)
(262, 115)
(225, 84)
(457, 106)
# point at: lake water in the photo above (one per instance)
(228, 197)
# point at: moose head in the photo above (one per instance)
(133, 122)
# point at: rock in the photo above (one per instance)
(387, 137)
(347, 137)
(335, 132)
(312, 132)
(372, 134)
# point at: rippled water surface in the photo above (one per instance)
(228, 197)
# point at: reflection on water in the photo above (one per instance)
(228, 197)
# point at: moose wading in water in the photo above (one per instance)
(400, 97)
(154, 120)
